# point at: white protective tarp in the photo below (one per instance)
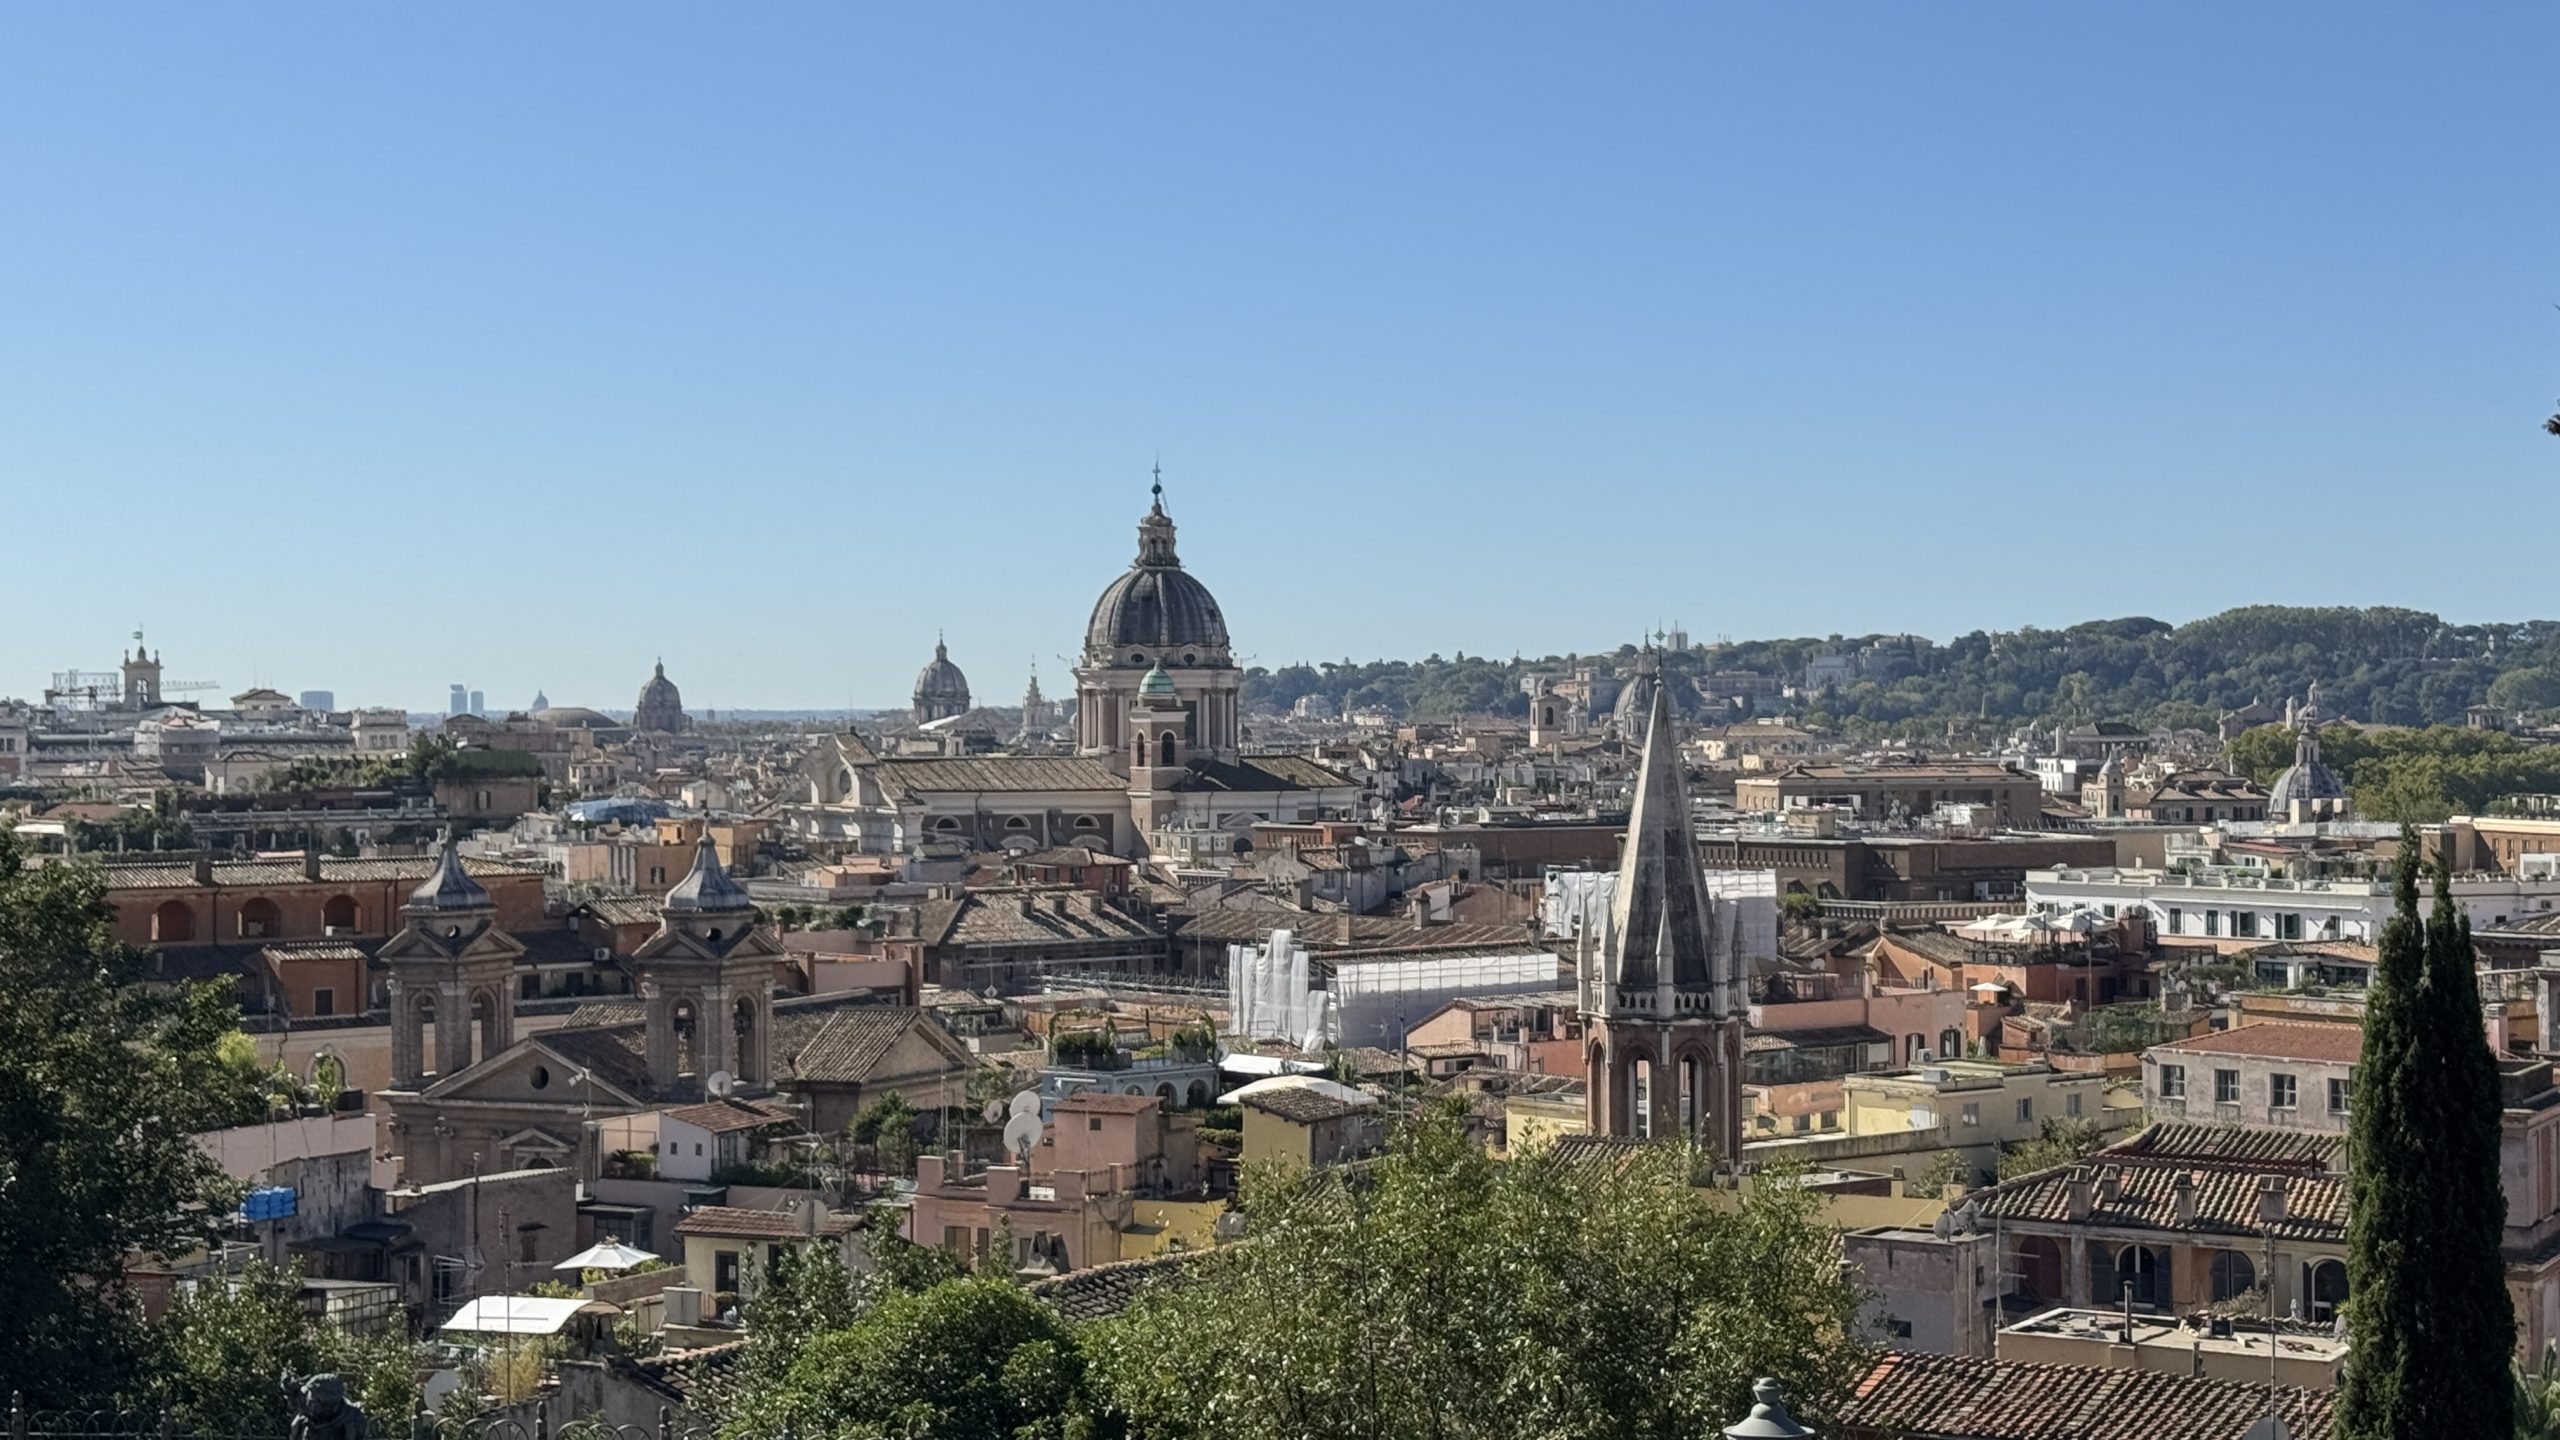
(515, 1315)
(1270, 997)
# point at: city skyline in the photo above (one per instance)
(483, 335)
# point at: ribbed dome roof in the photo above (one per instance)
(660, 693)
(707, 889)
(1157, 605)
(2310, 779)
(449, 888)
(941, 680)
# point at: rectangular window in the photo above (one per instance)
(2213, 922)
(2026, 1111)
(2071, 1104)
(2173, 1082)
(2244, 923)
(1093, 1122)
(2177, 920)
(1803, 1123)
(2281, 1091)
(2226, 1087)
(1830, 1119)
(2341, 1092)
(324, 1001)
(2288, 926)
(1973, 1114)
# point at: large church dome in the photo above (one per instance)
(661, 707)
(1157, 609)
(941, 690)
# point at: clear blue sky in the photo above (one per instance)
(373, 348)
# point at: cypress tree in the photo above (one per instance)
(2428, 1313)
(2474, 1391)
(2387, 1181)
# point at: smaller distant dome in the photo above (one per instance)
(574, 717)
(1158, 684)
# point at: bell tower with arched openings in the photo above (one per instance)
(1662, 1003)
(452, 977)
(706, 982)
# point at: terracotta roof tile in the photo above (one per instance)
(2335, 1044)
(1105, 1290)
(735, 1222)
(1945, 1397)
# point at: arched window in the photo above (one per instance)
(1198, 1095)
(2232, 1274)
(946, 822)
(1087, 822)
(260, 919)
(1016, 822)
(1166, 747)
(2145, 1272)
(173, 922)
(2036, 1260)
(340, 913)
(2326, 1283)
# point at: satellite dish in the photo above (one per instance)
(1027, 1103)
(995, 1112)
(719, 1084)
(1021, 1133)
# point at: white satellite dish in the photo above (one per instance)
(719, 1083)
(1022, 1132)
(995, 1112)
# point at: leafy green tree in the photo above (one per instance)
(888, 1126)
(1438, 1293)
(102, 1083)
(2537, 1394)
(217, 1357)
(2056, 1143)
(969, 1359)
(2431, 1325)
(2528, 687)
(1950, 1168)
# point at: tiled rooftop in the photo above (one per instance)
(2332, 1044)
(1949, 1398)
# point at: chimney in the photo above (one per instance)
(2110, 1184)
(310, 862)
(2270, 1199)
(2182, 1193)
(2081, 1192)
(684, 1305)
(204, 869)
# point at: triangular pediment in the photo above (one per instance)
(530, 1072)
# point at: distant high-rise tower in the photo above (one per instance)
(458, 701)
(479, 704)
(318, 701)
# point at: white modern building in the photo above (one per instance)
(2241, 903)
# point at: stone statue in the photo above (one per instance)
(322, 1411)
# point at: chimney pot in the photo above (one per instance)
(2271, 1197)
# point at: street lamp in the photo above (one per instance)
(1768, 1419)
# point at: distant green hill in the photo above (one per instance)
(2383, 665)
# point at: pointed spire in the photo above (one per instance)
(449, 888)
(1659, 917)
(707, 889)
